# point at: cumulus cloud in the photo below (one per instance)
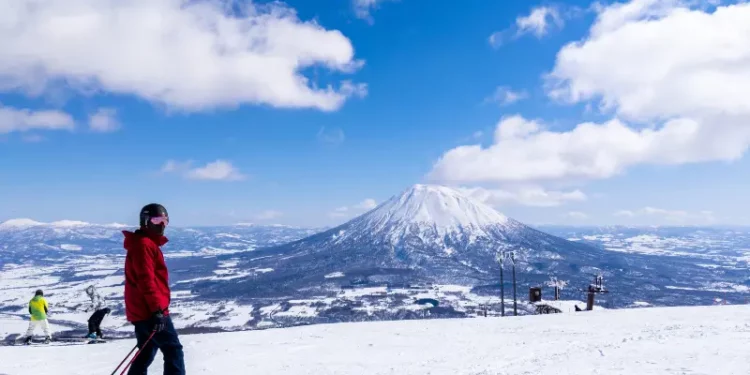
(219, 170)
(523, 150)
(533, 196)
(676, 78)
(504, 95)
(192, 56)
(651, 60)
(672, 216)
(23, 120)
(104, 120)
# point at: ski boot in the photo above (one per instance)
(27, 341)
(91, 336)
(47, 340)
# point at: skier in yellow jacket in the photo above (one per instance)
(38, 310)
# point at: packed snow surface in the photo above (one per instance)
(691, 340)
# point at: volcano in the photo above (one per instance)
(426, 234)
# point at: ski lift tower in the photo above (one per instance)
(515, 306)
(596, 288)
(501, 259)
(502, 256)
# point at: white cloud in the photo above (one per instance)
(333, 136)
(192, 56)
(652, 59)
(539, 21)
(219, 170)
(526, 196)
(524, 151)
(22, 120)
(504, 95)
(672, 216)
(576, 215)
(364, 8)
(685, 72)
(269, 215)
(104, 120)
(367, 204)
(676, 78)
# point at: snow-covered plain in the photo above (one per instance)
(684, 340)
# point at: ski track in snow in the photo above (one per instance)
(648, 341)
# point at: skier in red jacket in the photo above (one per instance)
(147, 294)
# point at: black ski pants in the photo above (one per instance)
(93, 327)
(166, 341)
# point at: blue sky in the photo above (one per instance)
(206, 109)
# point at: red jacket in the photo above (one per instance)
(146, 277)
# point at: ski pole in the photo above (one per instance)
(124, 359)
(138, 352)
(134, 357)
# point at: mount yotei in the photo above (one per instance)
(426, 234)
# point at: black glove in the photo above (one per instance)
(159, 321)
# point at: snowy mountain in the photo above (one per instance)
(425, 234)
(684, 340)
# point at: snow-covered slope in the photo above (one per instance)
(649, 341)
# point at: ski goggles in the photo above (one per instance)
(159, 220)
